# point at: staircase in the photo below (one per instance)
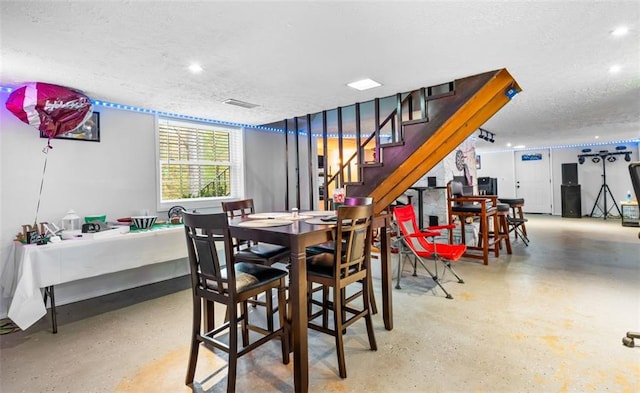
(425, 135)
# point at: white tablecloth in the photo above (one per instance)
(32, 267)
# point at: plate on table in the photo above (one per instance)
(271, 222)
(323, 220)
(319, 221)
(291, 217)
(270, 215)
(319, 213)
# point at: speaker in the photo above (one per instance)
(433, 221)
(488, 184)
(571, 201)
(570, 174)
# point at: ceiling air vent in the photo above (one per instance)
(243, 104)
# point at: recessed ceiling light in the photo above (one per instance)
(195, 68)
(364, 84)
(509, 144)
(597, 137)
(620, 31)
(615, 69)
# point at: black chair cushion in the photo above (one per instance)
(512, 201)
(503, 207)
(263, 274)
(250, 275)
(471, 208)
(322, 248)
(320, 265)
(262, 250)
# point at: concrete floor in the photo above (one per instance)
(548, 318)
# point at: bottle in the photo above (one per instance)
(628, 196)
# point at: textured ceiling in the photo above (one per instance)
(294, 58)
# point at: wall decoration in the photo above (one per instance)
(89, 131)
(531, 157)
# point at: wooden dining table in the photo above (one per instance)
(297, 237)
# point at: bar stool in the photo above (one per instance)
(502, 232)
(516, 220)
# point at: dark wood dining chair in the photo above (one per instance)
(330, 246)
(348, 264)
(250, 251)
(247, 249)
(231, 282)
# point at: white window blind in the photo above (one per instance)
(198, 162)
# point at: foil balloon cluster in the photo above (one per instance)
(52, 109)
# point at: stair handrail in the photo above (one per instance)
(347, 165)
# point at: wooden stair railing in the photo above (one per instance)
(338, 179)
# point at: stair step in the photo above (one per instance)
(399, 143)
(415, 121)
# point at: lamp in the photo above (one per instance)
(595, 159)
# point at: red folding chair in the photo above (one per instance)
(417, 242)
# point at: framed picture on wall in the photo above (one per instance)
(478, 163)
(89, 131)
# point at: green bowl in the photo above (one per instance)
(101, 218)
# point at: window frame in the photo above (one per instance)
(236, 164)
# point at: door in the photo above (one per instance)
(533, 180)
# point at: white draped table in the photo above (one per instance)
(30, 269)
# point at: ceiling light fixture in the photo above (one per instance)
(195, 68)
(486, 135)
(602, 155)
(364, 84)
(243, 104)
(614, 69)
(620, 31)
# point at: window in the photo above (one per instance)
(198, 163)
